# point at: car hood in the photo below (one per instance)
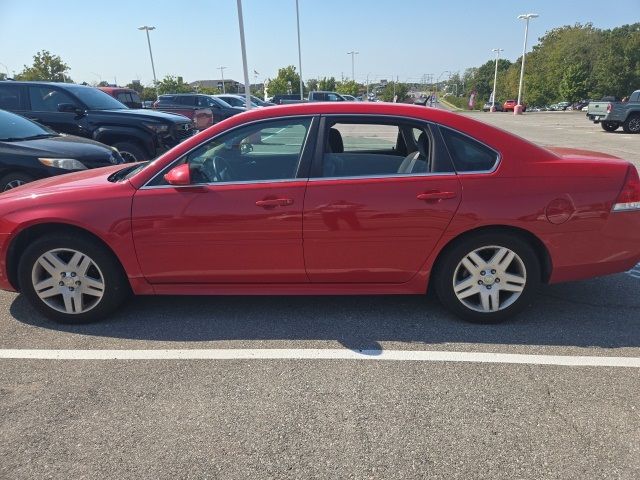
(145, 113)
(87, 180)
(61, 146)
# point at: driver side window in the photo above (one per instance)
(262, 152)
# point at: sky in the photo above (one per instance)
(406, 39)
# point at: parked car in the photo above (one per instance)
(487, 106)
(206, 110)
(239, 101)
(127, 96)
(88, 112)
(319, 96)
(349, 98)
(282, 99)
(29, 151)
(562, 106)
(286, 201)
(510, 105)
(611, 115)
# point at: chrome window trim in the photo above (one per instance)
(496, 163)
(393, 175)
(146, 186)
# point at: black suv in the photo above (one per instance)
(88, 112)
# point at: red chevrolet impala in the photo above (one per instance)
(328, 199)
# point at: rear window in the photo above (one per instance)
(468, 155)
(10, 97)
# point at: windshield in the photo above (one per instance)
(14, 127)
(96, 99)
(220, 102)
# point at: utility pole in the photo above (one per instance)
(247, 86)
(353, 54)
(222, 75)
(495, 79)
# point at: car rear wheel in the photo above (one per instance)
(71, 279)
(609, 126)
(13, 180)
(130, 152)
(632, 124)
(487, 278)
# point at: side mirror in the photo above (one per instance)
(179, 176)
(68, 108)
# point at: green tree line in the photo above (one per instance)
(569, 63)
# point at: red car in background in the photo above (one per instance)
(128, 96)
(330, 199)
(510, 105)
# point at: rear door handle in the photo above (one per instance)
(274, 202)
(435, 196)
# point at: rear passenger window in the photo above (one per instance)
(468, 155)
(10, 98)
(376, 149)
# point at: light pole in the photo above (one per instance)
(222, 75)
(153, 67)
(438, 81)
(495, 79)
(353, 54)
(517, 110)
(247, 86)
(299, 52)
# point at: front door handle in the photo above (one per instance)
(274, 202)
(435, 196)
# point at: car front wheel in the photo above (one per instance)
(487, 278)
(71, 279)
(13, 180)
(632, 124)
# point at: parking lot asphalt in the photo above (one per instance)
(363, 417)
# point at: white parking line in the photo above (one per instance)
(321, 354)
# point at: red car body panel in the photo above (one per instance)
(336, 236)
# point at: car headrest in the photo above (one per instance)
(334, 142)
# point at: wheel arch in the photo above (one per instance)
(21, 241)
(544, 257)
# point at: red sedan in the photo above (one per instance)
(340, 198)
(510, 105)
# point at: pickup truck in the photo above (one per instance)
(204, 110)
(612, 115)
(88, 112)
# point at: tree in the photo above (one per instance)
(312, 84)
(46, 67)
(287, 81)
(349, 88)
(393, 89)
(573, 86)
(171, 84)
(327, 84)
(148, 93)
(209, 90)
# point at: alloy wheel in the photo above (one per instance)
(13, 184)
(489, 279)
(68, 281)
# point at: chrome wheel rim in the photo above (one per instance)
(489, 279)
(68, 281)
(128, 157)
(13, 184)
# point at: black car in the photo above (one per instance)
(182, 102)
(29, 151)
(88, 112)
(487, 107)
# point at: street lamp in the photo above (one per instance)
(353, 69)
(153, 68)
(222, 75)
(517, 110)
(495, 79)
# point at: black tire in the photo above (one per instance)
(131, 152)
(609, 126)
(632, 123)
(116, 286)
(12, 180)
(447, 268)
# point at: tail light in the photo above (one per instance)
(609, 108)
(629, 198)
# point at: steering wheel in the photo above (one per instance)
(213, 168)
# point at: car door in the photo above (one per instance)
(46, 108)
(240, 219)
(375, 217)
